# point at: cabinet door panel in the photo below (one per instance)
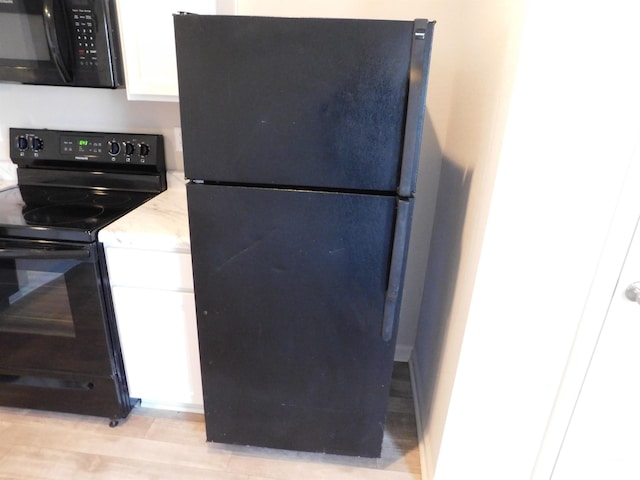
(151, 270)
(159, 344)
(148, 47)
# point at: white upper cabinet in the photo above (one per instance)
(148, 44)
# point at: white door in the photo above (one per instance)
(603, 438)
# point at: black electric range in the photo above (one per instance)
(71, 184)
(59, 345)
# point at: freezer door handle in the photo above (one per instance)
(397, 268)
(420, 59)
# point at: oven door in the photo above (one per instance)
(52, 309)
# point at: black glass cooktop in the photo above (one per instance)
(61, 213)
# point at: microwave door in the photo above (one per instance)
(34, 43)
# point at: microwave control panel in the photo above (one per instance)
(84, 37)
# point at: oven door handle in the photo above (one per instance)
(45, 254)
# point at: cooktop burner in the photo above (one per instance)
(60, 213)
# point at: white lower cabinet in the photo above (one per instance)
(155, 313)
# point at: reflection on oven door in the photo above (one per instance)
(34, 300)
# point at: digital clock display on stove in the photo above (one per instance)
(74, 145)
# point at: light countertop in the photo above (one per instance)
(7, 175)
(6, 183)
(160, 224)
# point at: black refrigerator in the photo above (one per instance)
(301, 143)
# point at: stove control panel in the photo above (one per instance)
(39, 147)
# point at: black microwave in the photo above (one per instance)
(60, 42)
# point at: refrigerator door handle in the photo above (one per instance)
(397, 268)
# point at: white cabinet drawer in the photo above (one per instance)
(149, 269)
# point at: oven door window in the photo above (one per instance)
(34, 297)
(52, 307)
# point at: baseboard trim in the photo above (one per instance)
(403, 353)
(427, 465)
(176, 407)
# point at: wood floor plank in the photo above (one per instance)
(302, 467)
(120, 446)
(3, 451)
(43, 463)
(35, 435)
(198, 456)
(51, 464)
(3, 425)
(185, 432)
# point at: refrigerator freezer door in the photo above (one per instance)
(294, 102)
(290, 307)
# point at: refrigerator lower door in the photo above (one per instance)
(290, 296)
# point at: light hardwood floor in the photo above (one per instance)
(158, 444)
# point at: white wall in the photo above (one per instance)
(546, 162)
(88, 109)
(473, 65)
(384, 9)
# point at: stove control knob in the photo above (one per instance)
(129, 148)
(22, 144)
(36, 144)
(114, 148)
(144, 149)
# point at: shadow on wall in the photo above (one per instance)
(440, 280)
